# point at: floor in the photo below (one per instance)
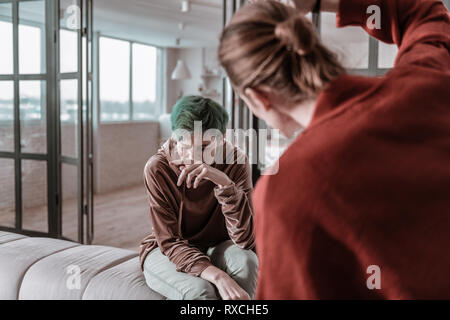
(120, 218)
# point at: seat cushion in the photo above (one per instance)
(8, 236)
(55, 276)
(46, 268)
(122, 282)
(17, 256)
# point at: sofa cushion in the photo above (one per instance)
(44, 268)
(8, 236)
(123, 281)
(51, 277)
(17, 256)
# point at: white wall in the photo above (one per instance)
(121, 151)
(195, 59)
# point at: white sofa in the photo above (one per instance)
(46, 268)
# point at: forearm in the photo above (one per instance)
(237, 210)
(185, 257)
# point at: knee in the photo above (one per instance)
(243, 262)
(200, 290)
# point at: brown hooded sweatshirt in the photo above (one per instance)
(186, 221)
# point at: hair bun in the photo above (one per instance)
(296, 34)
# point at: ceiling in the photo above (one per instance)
(157, 21)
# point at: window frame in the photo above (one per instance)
(373, 70)
(159, 80)
(28, 76)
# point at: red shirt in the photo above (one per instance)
(368, 182)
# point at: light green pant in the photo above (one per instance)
(162, 277)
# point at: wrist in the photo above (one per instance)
(219, 276)
(213, 274)
(225, 183)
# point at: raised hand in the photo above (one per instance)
(192, 174)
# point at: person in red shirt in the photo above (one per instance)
(360, 206)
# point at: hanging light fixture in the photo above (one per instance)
(185, 6)
(181, 71)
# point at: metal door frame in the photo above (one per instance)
(53, 157)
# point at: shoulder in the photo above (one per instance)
(154, 164)
(156, 167)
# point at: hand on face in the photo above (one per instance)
(193, 174)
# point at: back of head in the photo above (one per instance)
(268, 43)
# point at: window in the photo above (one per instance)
(33, 124)
(386, 55)
(355, 49)
(6, 62)
(144, 81)
(7, 116)
(114, 80)
(128, 80)
(31, 37)
(68, 47)
(350, 43)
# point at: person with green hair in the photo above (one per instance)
(202, 242)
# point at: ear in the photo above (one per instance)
(259, 98)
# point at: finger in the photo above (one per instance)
(192, 174)
(246, 296)
(236, 294)
(200, 177)
(224, 294)
(184, 173)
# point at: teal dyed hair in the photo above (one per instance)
(196, 108)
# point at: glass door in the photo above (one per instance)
(26, 202)
(45, 118)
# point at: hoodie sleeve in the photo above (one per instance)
(236, 203)
(163, 217)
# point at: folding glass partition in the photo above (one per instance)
(46, 118)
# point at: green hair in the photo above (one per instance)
(196, 108)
